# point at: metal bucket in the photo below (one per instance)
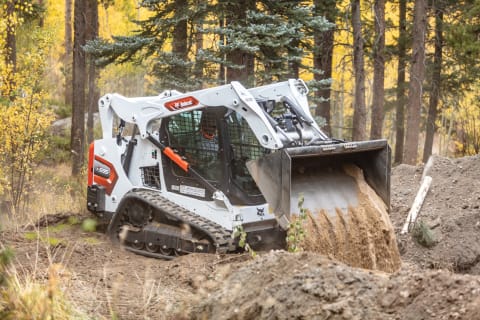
(316, 173)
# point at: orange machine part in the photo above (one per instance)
(109, 182)
(176, 158)
(182, 103)
(91, 156)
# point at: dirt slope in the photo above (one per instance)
(451, 210)
(308, 286)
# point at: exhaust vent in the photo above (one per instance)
(151, 176)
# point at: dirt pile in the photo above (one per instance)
(361, 237)
(451, 210)
(280, 285)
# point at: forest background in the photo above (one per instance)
(405, 70)
(402, 70)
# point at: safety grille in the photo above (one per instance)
(194, 136)
(243, 141)
(244, 146)
(151, 176)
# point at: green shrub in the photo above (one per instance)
(296, 229)
(423, 235)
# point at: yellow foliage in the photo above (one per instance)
(24, 119)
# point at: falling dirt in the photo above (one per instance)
(363, 236)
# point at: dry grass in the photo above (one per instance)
(53, 190)
(40, 293)
(23, 296)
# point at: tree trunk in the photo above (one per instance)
(199, 64)
(402, 63)
(322, 60)
(293, 66)
(378, 71)
(10, 49)
(360, 110)
(436, 84)
(93, 95)
(68, 52)
(10, 41)
(79, 77)
(41, 18)
(198, 70)
(179, 44)
(417, 74)
(239, 57)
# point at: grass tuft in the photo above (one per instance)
(423, 235)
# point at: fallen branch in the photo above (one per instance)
(417, 204)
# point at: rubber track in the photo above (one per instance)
(222, 238)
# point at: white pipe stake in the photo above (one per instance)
(417, 204)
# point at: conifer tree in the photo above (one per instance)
(378, 71)
(435, 82)
(166, 37)
(258, 42)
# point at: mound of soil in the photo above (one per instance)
(282, 285)
(451, 211)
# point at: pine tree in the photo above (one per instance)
(435, 82)
(460, 69)
(239, 60)
(258, 41)
(68, 52)
(167, 38)
(92, 94)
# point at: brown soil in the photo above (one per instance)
(451, 210)
(103, 280)
(280, 285)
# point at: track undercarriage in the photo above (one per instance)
(148, 224)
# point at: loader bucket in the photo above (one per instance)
(317, 174)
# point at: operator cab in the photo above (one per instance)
(217, 143)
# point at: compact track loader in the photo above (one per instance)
(179, 172)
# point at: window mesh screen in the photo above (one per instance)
(151, 176)
(245, 147)
(195, 136)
